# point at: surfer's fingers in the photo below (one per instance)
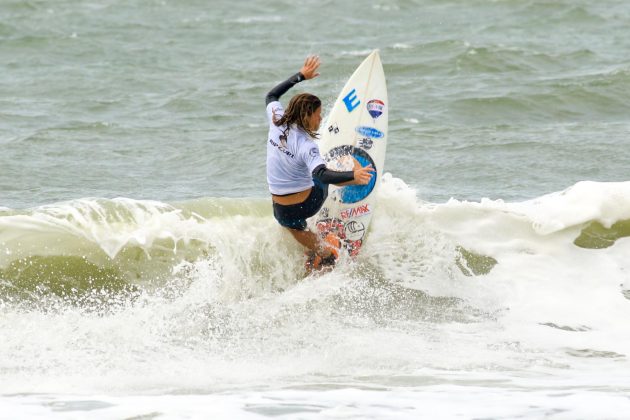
(309, 69)
(312, 58)
(363, 175)
(312, 62)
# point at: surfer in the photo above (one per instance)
(296, 172)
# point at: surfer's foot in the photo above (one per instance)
(332, 245)
(315, 262)
(328, 256)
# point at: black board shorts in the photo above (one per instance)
(294, 216)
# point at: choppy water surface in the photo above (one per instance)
(141, 270)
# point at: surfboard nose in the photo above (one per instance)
(374, 59)
(375, 55)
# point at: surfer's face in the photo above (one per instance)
(315, 119)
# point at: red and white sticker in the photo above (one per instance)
(362, 210)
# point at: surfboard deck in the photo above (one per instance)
(356, 127)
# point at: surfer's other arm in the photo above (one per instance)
(359, 176)
(308, 71)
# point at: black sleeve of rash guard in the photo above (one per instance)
(275, 93)
(327, 176)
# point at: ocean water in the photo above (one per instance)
(142, 274)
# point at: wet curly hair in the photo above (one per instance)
(300, 108)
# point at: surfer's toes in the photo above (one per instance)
(317, 263)
(332, 244)
(313, 262)
(328, 261)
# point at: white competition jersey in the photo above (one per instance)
(290, 163)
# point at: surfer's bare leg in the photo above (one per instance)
(310, 240)
(322, 253)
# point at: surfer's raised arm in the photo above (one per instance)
(308, 71)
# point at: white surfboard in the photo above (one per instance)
(356, 127)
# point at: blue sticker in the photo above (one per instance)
(353, 193)
(351, 100)
(369, 132)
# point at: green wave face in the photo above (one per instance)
(72, 279)
(596, 236)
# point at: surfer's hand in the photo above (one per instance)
(363, 175)
(309, 69)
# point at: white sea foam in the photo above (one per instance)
(255, 19)
(430, 402)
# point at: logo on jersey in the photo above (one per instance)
(282, 149)
(314, 152)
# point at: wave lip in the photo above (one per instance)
(77, 249)
(109, 224)
(584, 202)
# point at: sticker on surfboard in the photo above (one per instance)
(350, 233)
(341, 158)
(375, 108)
(370, 132)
